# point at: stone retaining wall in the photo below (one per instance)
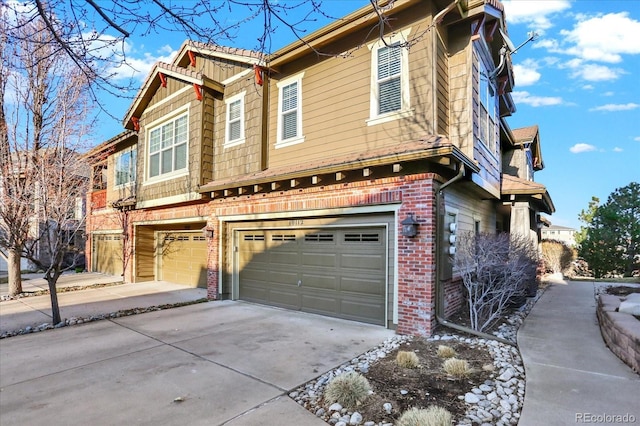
(621, 332)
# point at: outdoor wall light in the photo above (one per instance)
(208, 232)
(409, 226)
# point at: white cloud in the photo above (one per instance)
(592, 72)
(535, 14)
(527, 73)
(604, 38)
(582, 147)
(138, 66)
(616, 149)
(616, 107)
(588, 87)
(637, 139)
(535, 101)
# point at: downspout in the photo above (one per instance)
(439, 287)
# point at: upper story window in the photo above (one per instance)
(125, 167)
(488, 109)
(168, 147)
(234, 127)
(290, 111)
(389, 79)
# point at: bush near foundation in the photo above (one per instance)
(348, 390)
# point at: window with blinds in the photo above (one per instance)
(389, 79)
(235, 120)
(290, 111)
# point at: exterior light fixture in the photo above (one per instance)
(409, 226)
(207, 232)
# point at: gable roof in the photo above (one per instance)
(529, 137)
(153, 82)
(244, 56)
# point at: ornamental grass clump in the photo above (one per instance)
(349, 390)
(458, 368)
(445, 351)
(407, 359)
(432, 416)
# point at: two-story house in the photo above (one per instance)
(332, 183)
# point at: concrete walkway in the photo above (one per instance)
(572, 377)
(36, 310)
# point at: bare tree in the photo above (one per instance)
(42, 127)
(495, 269)
(95, 35)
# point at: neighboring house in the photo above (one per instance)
(560, 233)
(324, 183)
(40, 232)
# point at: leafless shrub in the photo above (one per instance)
(495, 270)
(557, 256)
(407, 359)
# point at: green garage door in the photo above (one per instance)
(338, 272)
(107, 254)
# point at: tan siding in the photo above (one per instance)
(244, 158)
(180, 185)
(442, 86)
(471, 209)
(336, 96)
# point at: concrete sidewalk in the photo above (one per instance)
(36, 310)
(572, 377)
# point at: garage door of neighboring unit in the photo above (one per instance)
(337, 272)
(183, 258)
(107, 254)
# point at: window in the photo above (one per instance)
(488, 111)
(168, 147)
(290, 111)
(234, 133)
(125, 170)
(389, 79)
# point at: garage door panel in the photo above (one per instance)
(362, 286)
(327, 260)
(363, 310)
(324, 282)
(108, 254)
(284, 258)
(285, 298)
(319, 304)
(281, 277)
(362, 262)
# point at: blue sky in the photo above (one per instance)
(579, 81)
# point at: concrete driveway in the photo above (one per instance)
(228, 362)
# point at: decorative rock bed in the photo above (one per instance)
(620, 331)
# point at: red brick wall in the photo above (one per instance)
(416, 256)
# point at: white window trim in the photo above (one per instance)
(152, 126)
(405, 110)
(117, 156)
(229, 143)
(492, 147)
(282, 143)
